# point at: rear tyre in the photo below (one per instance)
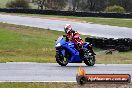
(60, 59)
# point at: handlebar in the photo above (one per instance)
(64, 35)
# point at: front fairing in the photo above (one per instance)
(68, 47)
(60, 41)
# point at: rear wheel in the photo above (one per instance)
(89, 58)
(60, 59)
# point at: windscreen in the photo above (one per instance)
(59, 39)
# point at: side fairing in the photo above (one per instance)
(69, 46)
(75, 57)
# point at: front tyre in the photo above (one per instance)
(60, 59)
(89, 58)
(90, 61)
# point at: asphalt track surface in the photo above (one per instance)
(52, 72)
(83, 28)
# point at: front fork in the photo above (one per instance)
(60, 50)
(91, 49)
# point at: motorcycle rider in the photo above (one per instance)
(73, 36)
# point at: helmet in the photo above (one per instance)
(67, 28)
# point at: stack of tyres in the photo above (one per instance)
(112, 43)
(127, 44)
(89, 39)
(100, 42)
(108, 43)
(67, 13)
(94, 41)
(121, 44)
(130, 43)
(105, 43)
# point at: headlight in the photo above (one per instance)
(58, 45)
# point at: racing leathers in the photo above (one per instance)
(73, 36)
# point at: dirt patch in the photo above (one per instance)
(63, 19)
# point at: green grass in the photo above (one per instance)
(61, 85)
(35, 85)
(98, 20)
(105, 21)
(28, 44)
(115, 58)
(19, 43)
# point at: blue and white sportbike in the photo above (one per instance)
(66, 52)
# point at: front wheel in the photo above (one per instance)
(60, 59)
(89, 58)
(90, 61)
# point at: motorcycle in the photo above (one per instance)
(66, 52)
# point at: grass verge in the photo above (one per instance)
(61, 85)
(28, 44)
(25, 44)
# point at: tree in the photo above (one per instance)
(50, 4)
(18, 4)
(41, 3)
(126, 4)
(91, 4)
(115, 8)
(100, 5)
(83, 5)
(75, 4)
(56, 4)
(88, 5)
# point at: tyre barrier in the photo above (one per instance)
(67, 13)
(120, 44)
